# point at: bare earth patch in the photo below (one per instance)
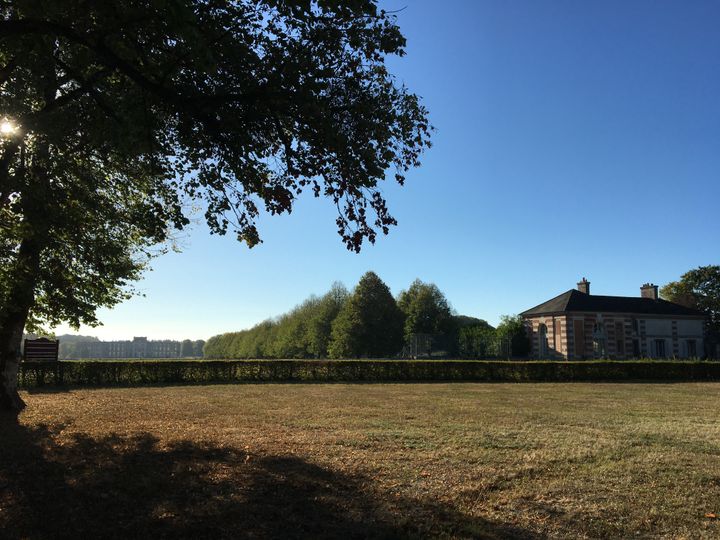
(365, 461)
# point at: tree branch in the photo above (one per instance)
(89, 85)
(7, 69)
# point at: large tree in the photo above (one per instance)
(291, 339)
(118, 116)
(369, 324)
(429, 323)
(512, 340)
(426, 310)
(475, 338)
(698, 288)
(320, 323)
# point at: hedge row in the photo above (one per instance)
(127, 373)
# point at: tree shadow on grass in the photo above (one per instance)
(133, 487)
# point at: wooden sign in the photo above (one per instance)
(41, 350)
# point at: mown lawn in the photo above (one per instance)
(365, 460)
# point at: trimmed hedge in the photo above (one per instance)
(159, 372)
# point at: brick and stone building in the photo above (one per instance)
(577, 325)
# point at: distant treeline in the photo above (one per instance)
(370, 323)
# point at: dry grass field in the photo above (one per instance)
(365, 461)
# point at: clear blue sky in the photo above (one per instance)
(573, 139)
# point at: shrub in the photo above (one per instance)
(159, 372)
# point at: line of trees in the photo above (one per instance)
(370, 323)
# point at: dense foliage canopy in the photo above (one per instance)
(512, 339)
(477, 340)
(304, 332)
(698, 288)
(369, 323)
(120, 116)
(426, 310)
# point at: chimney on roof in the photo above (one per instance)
(649, 290)
(584, 286)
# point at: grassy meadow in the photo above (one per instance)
(461, 460)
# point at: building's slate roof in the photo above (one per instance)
(574, 300)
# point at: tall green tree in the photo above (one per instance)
(512, 339)
(291, 339)
(476, 339)
(320, 324)
(129, 112)
(370, 324)
(699, 289)
(426, 310)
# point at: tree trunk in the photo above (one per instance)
(32, 186)
(10, 353)
(13, 317)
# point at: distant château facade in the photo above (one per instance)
(577, 325)
(139, 347)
